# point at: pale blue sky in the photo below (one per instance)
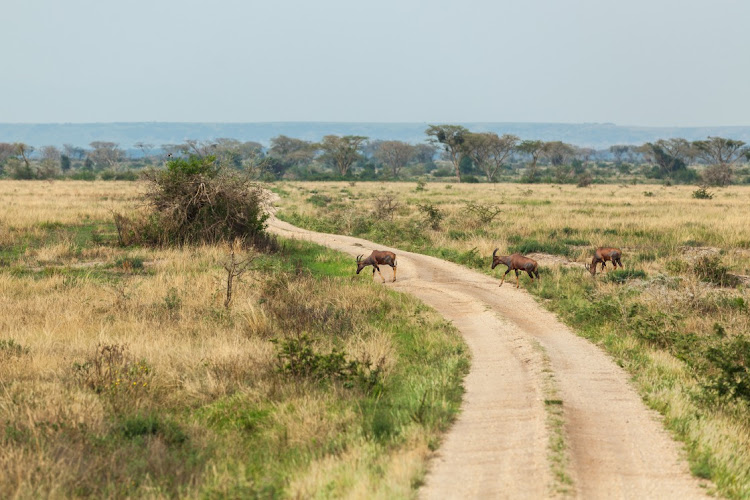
(638, 62)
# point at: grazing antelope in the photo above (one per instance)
(376, 258)
(604, 254)
(515, 262)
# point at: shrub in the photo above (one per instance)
(114, 175)
(718, 175)
(584, 180)
(129, 263)
(702, 194)
(730, 364)
(622, 275)
(710, 269)
(484, 212)
(138, 425)
(320, 200)
(10, 349)
(83, 175)
(297, 358)
(195, 200)
(386, 206)
(113, 373)
(433, 215)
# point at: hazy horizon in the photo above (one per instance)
(640, 64)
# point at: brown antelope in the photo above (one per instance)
(515, 262)
(376, 258)
(604, 254)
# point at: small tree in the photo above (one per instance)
(106, 154)
(534, 150)
(290, 152)
(488, 151)
(670, 155)
(65, 163)
(342, 152)
(395, 155)
(558, 153)
(721, 154)
(452, 138)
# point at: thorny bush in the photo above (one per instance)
(296, 357)
(197, 200)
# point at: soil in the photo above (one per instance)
(498, 447)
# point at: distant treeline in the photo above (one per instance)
(449, 152)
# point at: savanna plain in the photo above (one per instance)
(126, 371)
(676, 318)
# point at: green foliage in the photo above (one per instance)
(621, 276)
(173, 301)
(11, 349)
(83, 175)
(130, 263)
(116, 175)
(709, 268)
(532, 245)
(114, 374)
(702, 193)
(297, 358)
(193, 165)
(729, 373)
(432, 215)
(319, 200)
(484, 212)
(142, 426)
(196, 201)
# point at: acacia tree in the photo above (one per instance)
(74, 152)
(106, 154)
(50, 162)
(291, 151)
(424, 153)
(489, 151)
(342, 152)
(452, 138)
(144, 147)
(394, 154)
(721, 154)
(670, 155)
(558, 153)
(534, 149)
(7, 150)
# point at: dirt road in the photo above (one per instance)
(499, 446)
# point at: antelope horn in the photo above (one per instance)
(359, 257)
(493, 253)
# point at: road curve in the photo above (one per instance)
(616, 447)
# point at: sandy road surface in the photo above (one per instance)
(617, 448)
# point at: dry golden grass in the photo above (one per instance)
(197, 406)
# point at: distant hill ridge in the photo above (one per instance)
(595, 135)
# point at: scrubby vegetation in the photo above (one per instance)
(123, 374)
(676, 317)
(197, 200)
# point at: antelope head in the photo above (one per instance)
(591, 269)
(360, 263)
(495, 258)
